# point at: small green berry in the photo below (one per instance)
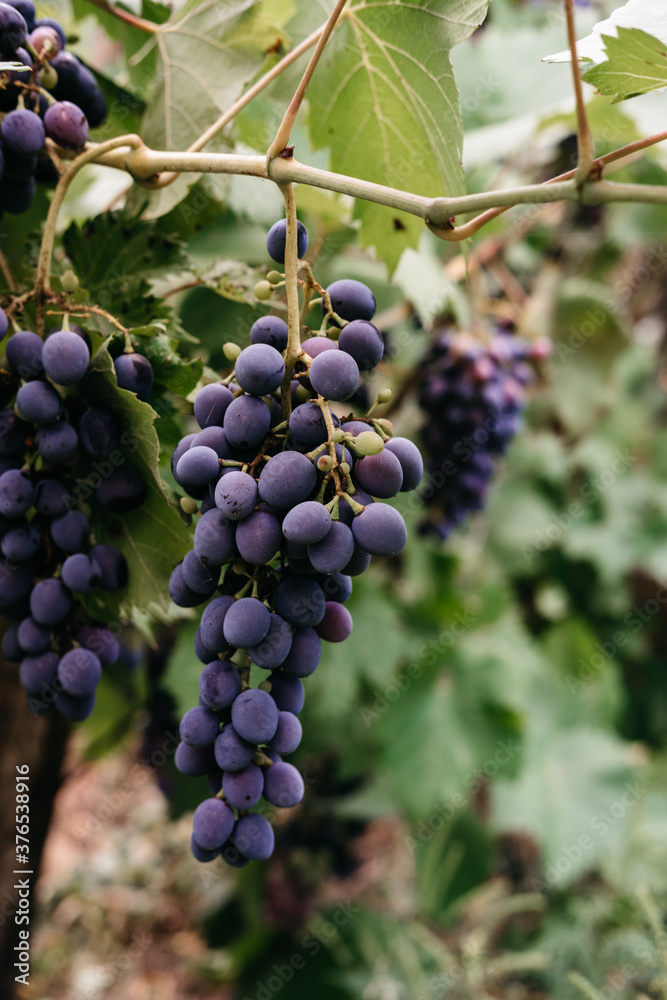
(367, 443)
(325, 463)
(231, 351)
(274, 277)
(69, 281)
(263, 291)
(188, 505)
(384, 396)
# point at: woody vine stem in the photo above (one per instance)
(157, 168)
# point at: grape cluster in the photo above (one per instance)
(56, 98)
(472, 395)
(49, 560)
(287, 518)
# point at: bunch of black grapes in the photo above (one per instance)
(472, 395)
(287, 518)
(48, 438)
(57, 97)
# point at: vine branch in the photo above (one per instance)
(292, 290)
(126, 16)
(286, 125)
(585, 150)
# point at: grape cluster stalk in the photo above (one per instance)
(287, 516)
(56, 97)
(49, 433)
(472, 395)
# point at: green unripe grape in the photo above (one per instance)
(69, 280)
(302, 394)
(48, 78)
(265, 686)
(384, 396)
(386, 426)
(231, 351)
(188, 505)
(367, 443)
(338, 436)
(263, 290)
(345, 468)
(274, 277)
(325, 463)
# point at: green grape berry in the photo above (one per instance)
(70, 282)
(325, 463)
(367, 443)
(231, 351)
(188, 505)
(384, 396)
(274, 277)
(263, 291)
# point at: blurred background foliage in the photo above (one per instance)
(485, 758)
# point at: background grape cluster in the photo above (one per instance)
(287, 518)
(50, 560)
(472, 395)
(57, 98)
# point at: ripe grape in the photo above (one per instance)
(39, 402)
(288, 692)
(299, 600)
(22, 132)
(58, 442)
(259, 369)
(199, 727)
(17, 493)
(380, 530)
(276, 240)
(12, 650)
(219, 684)
(271, 330)
(79, 672)
(363, 342)
(246, 622)
(334, 375)
(100, 641)
(351, 300)
(99, 433)
(134, 372)
(113, 567)
(253, 836)
(51, 498)
(254, 715)
(81, 573)
(288, 734)
(258, 538)
(74, 708)
(122, 490)
(246, 422)
(243, 789)
(21, 542)
(305, 653)
(65, 357)
(33, 638)
(232, 752)
(211, 405)
(24, 354)
(13, 30)
(334, 551)
(274, 647)
(212, 823)
(410, 458)
(200, 578)
(235, 495)
(198, 466)
(283, 785)
(336, 626)
(287, 479)
(212, 624)
(307, 523)
(214, 538)
(196, 762)
(381, 475)
(67, 125)
(38, 672)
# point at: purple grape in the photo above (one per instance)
(253, 836)
(380, 530)
(243, 789)
(288, 692)
(288, 734)
(306, 425)
(65, 357)
(259, 369)
(17, 493)
(300, 600)
(359, 562)
(13, 433)
(73, 708)
(195, 762)
(70, 532)
(134, 372)
(211, 405)
(58, 442)
(337, 587)
(334, 551)
(287, 479)
(79, 672)
(52, 499)
(255, 716)
(99, 433)
(215, 438)
(236, 495)
(33, 638)
(21, 542)
(199, 854)
(307, 523)
(336, 626)
(381, 475)
(283, 785)
(38, 673)
(200, 578)
(182, 595)
(363, 342)
(114, 573)
(219, 684)
(247, 421)
(99, 641)
(246, 623)
(231, 751)
(24, 355)
(22, 132)
(232, 856)
(409, 456)
(314, 346)
(351, 300)
(271, 330)
(275, 646)
(121, 491)
(66, 124)
(215, 538)
(334, 375)
(258, 538)
(13, 28)
(39, 402)
(199, 727)
(276, 241)
(81, 573)
(304, 655)
(212, 624)
(212, 823)
(198, 466)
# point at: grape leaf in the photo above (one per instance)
(636, 64)
(647, 15)
(206, 54)
(385, 102)
(153, 537)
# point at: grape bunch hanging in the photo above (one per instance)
(50, 437)
(57, 97)
(288, 516)
(472, 395)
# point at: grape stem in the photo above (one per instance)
(289, 118)
(292, 292)
(585, 151)
(328, 421)
(42, 279)
(123, 15)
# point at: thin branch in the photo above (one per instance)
(7, 273)
(252, 92)
(126, 16)
(42, 278)
(292, 290)
(585, 150)
(286, 125)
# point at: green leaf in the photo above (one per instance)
(153, 537)
(636, 64)
(206, 54)
(384, 100)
